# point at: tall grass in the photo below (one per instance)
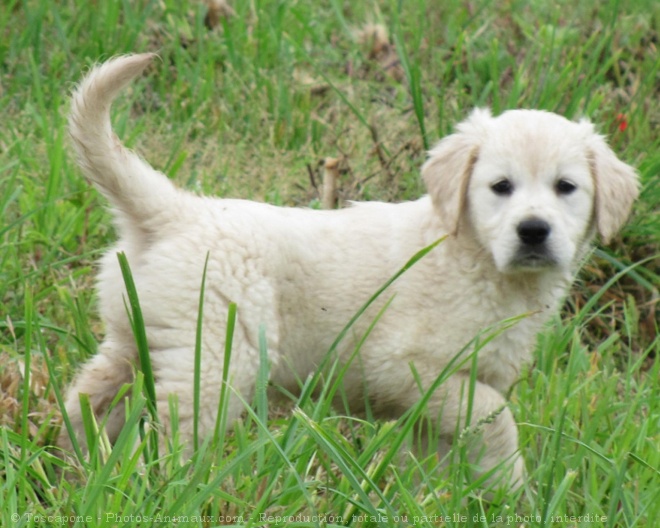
(247, 110)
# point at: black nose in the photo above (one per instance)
(533, 232)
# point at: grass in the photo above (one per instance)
(248, 110)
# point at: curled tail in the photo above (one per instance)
(139, 194)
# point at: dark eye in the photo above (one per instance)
(565, 187)
(502, 187)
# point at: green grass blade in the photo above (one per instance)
(139, 331)
(221, 419)
(354, 473)
(140, 334)
(198, 357)
(27, 366)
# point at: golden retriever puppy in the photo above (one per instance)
(519, 197)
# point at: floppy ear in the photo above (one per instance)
(447, 171)
(617, 187)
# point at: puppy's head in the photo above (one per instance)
(532, 187)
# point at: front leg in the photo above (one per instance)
(490, 433)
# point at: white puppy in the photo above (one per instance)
(520, 197)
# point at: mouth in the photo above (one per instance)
(535, 259)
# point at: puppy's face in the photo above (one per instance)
(533, 187)
(530, 198)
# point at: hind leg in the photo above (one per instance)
(174, 372)
(101, 378)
